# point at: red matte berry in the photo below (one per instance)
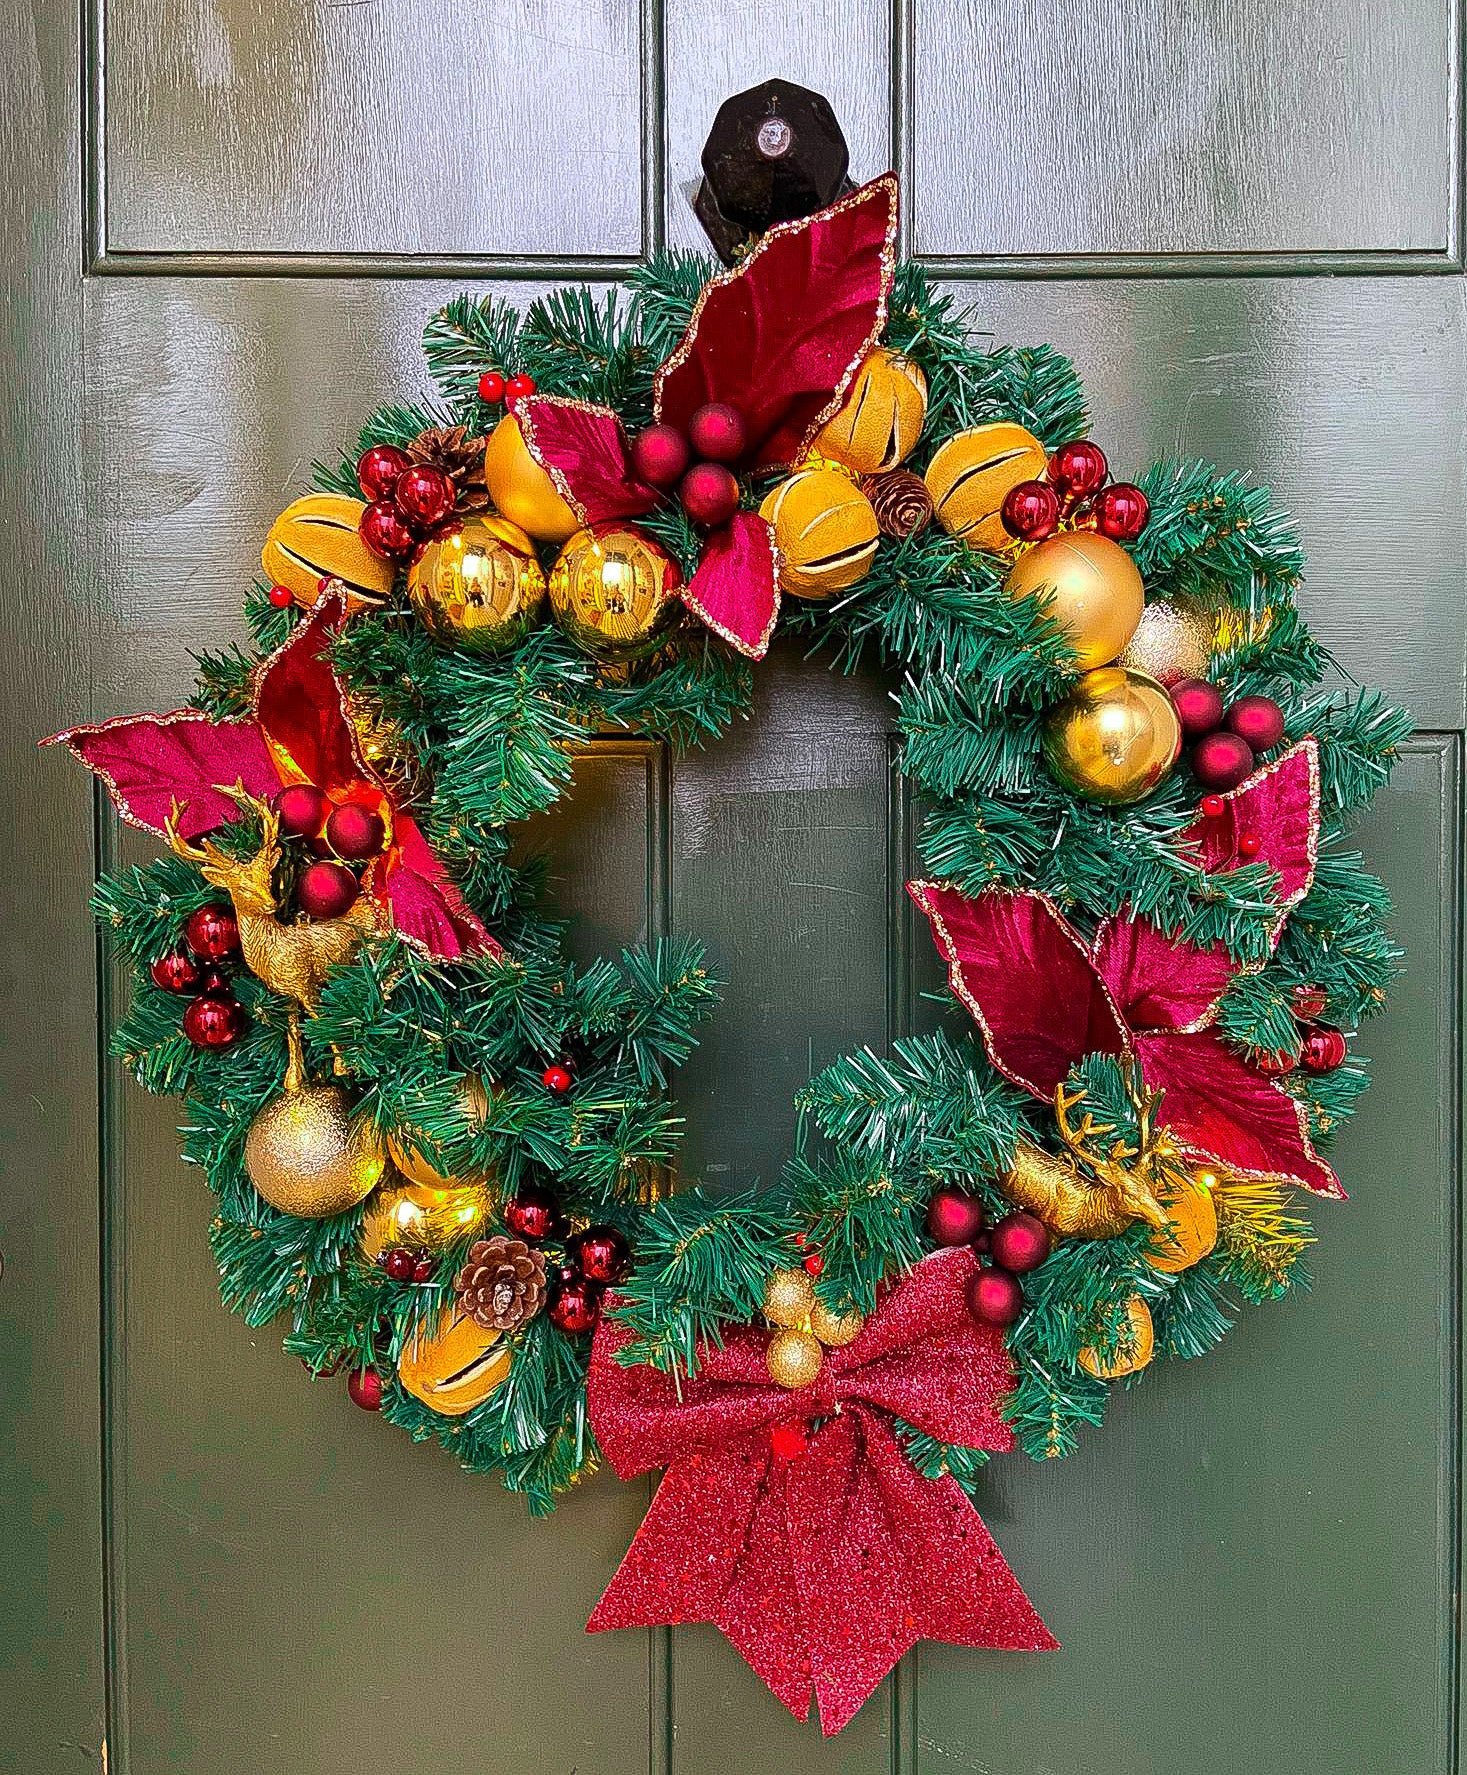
(282, 597)
(953, 1216)
(532, 1213)
(1322, 1050)
(399, 1264)
(175, 971)
(600, 1254)
(1078, 468)
(1213, 807)
(379, 469)
(355, 832)
(1030, 511)
(518, 387)
(212, 932)
(1221, 760)
(709, 494)
(717, 432)
(1256, 719)
(382, 529)
(1019, 1242)
(302, 808)
(660, 456)
(424, 496)
(1120, 512)
(995, 1297)
(326, 890)
(491, 388)
(423, 1270)
(1249, 844)
(575, 1303)
(365, 1388)
(1199, 706)
(788, 1441)
(213, 1021)
(1309, 1002)
(557, 1078)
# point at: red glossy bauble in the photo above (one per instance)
(1249, 845)
(717, 432)
(212, 932)
(995, 1297)
(365, 1388)
(1212, 807)
(1221, 760)
(1322, 1050)
(1199, 706)
(1309, 1003)
(1030, 511)
(379, 470)
(399, 1264)
(355, 832)
(176, 971)
(600, 1253)
(814, 1264)
(709, 494)
(660, 456)
(1256, 719)
(424, 496)
(303, 809)
(326, 890)
(558, 1078)
(382, 529)
(1019, 1242)
(789, 1441)
(1121, 511)
(215, 983)
(953, 1216)
(214, 1021)
(1078, 468)
(575, 1303)
(532, 1212)
(1276, 1064)
(281, 597)
(491, 388)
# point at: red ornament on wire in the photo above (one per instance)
(1031, 511)
(532, 1213)
(1322, 1050)
(382, 529)
(1078, 469)
(214, 1021)
(575, 1303)
(379, 469)
(175, 971)
(365, 1388)
(212, 932)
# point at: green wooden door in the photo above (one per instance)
(223, 226)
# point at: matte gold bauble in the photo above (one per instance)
(1133, 1349)
(1191, 1229)
(1114, 738)
(309, 1153)
(880, 423)
(614, 591)
(972, 474)
(521, 490)
(825, 529)
(1173, 640)
(419, 1216)
(315, 539)
(409, 1147)
(794, 1358)
(478, 585)
(1092, 590)
(835, 1329)
(789, 1297)
(452, 1364)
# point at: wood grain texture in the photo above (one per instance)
(1162, 126)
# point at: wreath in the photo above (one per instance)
(445, 1154)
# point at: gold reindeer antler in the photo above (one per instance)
(1089, 1193)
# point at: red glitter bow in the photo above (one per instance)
(1043, 999)
(821, 1567)
(780, 338)
(298, 732)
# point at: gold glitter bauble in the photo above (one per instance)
(973, 473)
(1113, 738)
(422, 1217)
(1133, 1349)
(315, 539)
(789, 1297)
(310, 1154)
(1191, 1229)
(835, 1329)
(614, 591)
(452, 1365)
(478, 585)
(1091, 588)
(880, 423)
(408, 1147)
(825, 529)
(794, 1358)
(1173, 640)
(521, 490)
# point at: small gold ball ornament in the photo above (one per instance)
(835, 1330)
(1173, 640)
(880, 423)
(789, 1299)
(522, 491)
(794, 1358)
(408, 1147)
(825, 529)
(1133, 1350)
(310, 1154)
(1114, 738)
(1191, 1229)
(1092, 590)
(614, 591)
(973, 473)
(316, 538)
(479, 585)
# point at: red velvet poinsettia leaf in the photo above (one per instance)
(1027, 979)
(1157, 981)
(735, 590)
(781, 336)
(301, 706)
(1279, 804)
(1223, 1108)
(423, 904)
(584, 450)
(150, 763)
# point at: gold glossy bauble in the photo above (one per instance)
(973, 473)
(880, 423)
(794, 1358)
(825, 529)
(1113, 738)
(422, 1217)
(310, 1154)
(1173, 640)
(452, 1365)
(409, 1147)
(1132, 1352)
(478, 585)
(315, 539)
(1091, 588)
(1191, 1229)
(789, 1297)
(835, 1329)
(614, 591)
(521, 490)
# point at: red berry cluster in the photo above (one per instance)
(1225, 738)
(407, 500)
(696, 463)
(402, 1265)
(214, 1017)
(1074, 488)
(1321, 1048)
(344, 833)
(594, 1259)
(1014, 1245)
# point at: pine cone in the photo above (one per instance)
(461, 457)
(502, 1284)
(900, 499)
